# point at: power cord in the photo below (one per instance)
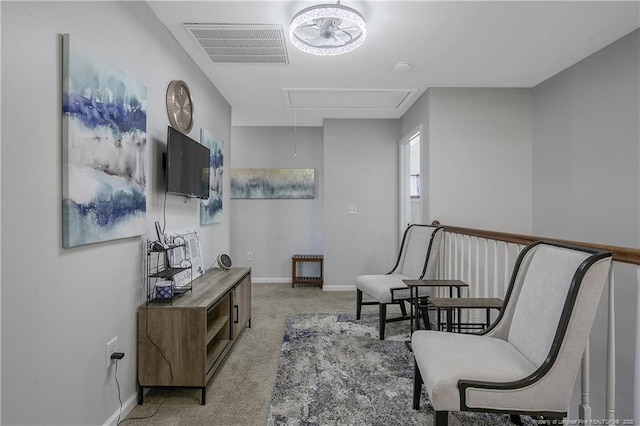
(119, 355)
(118, 383)
(145, 417)
(146, 330)
(116, 356)
(164, 212)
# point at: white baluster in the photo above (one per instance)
(475, 288)
(469, 264)
(461, 264)
(636, 383)
(450, 259)
(468, 316)
(442, 257)
(461, 272)
(485, 268)
(611, 352)
(478, 286)
(584, 411)
(455, 257)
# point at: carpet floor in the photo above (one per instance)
(334, 370)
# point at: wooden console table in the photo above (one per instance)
(184, 343)
(304, 258)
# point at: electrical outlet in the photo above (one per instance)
(352, 209)
(249, 255)
(111, 347)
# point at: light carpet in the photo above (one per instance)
(334, 370)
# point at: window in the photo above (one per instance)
(414, 186)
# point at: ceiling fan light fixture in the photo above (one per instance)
(327, 29)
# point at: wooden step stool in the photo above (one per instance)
(303, 258)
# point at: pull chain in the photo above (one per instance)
(295, 152)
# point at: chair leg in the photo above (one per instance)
(358, 303)
(382, 320)
(441, 418)
(425, 318)
(515, 419)
(403, 309)
(417, 386)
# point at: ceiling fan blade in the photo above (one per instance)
(307, 32)
(344, 36)
(338, 41)
(312, 25)
(319, 41)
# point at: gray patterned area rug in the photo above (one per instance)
(334, 371)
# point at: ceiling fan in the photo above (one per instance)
(327, 29)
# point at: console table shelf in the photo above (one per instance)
(167, 273)
(217, 325)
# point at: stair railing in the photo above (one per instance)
(484, 259)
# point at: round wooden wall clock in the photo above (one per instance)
(180, 106)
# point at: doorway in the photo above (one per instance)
(410, 180)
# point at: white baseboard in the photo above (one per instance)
(127, 406)
(339, 288)
(270, 280)
(326, 287)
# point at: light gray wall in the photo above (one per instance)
(274, 230)
(60, 307)
(586, 178)
(361, 168)
(477, 153)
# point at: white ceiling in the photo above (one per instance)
(448, 43)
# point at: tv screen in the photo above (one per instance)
(187, 165)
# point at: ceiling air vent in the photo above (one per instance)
(250, 43)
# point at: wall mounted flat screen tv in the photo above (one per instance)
(187, 165)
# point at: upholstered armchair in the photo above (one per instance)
(528, 360)
(417, 260)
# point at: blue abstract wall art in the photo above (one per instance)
(272, 183)
(104, 155)
(211, 209)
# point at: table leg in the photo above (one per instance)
(411, 309)
(459, 319)
(417, 312)
(449, 319)
(488, 318)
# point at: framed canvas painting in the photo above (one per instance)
(104, 155)
(211, 209)
(273, 183)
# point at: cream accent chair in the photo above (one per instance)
(528, 360)
(417, 260)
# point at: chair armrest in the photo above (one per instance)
(396, 289)
(525, 382)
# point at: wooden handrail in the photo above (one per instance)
(620, 254)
